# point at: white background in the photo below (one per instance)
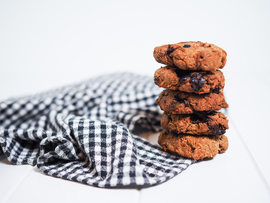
(47, 44)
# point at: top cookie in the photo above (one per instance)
(191, 56)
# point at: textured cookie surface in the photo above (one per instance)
(197, 82)
(213, 123)
(177, 102)
(191, 146)
(191, 56)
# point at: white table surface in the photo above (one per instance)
(47, 44)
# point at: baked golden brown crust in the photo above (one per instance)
(177, 102)
(192, 146)
(191, 56)
(214, 123)
(187, 81)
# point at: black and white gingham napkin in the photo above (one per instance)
(85, 132)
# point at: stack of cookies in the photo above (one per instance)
(192, 99)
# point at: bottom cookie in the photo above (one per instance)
(193, 147)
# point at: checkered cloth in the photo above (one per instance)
(86, 132)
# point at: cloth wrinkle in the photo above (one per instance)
(84, 132)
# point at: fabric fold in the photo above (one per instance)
(85, 133)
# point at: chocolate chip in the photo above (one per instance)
(197, 81)
(186, 104)
(169, 50)
(182, 80)
(217, 130)
(221, 149)
(182, 75)
(187, 46)
(180, 100)
(156, 80)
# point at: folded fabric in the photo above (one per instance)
(86, 132)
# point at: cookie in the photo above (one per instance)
(211, 123)
(191, 56)
(177, 102)
(191, 146)
(188, 81)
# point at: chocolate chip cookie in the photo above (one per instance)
(177, 102)
(189, 81)
(193, 147)
(209, 123)
(191, 56)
